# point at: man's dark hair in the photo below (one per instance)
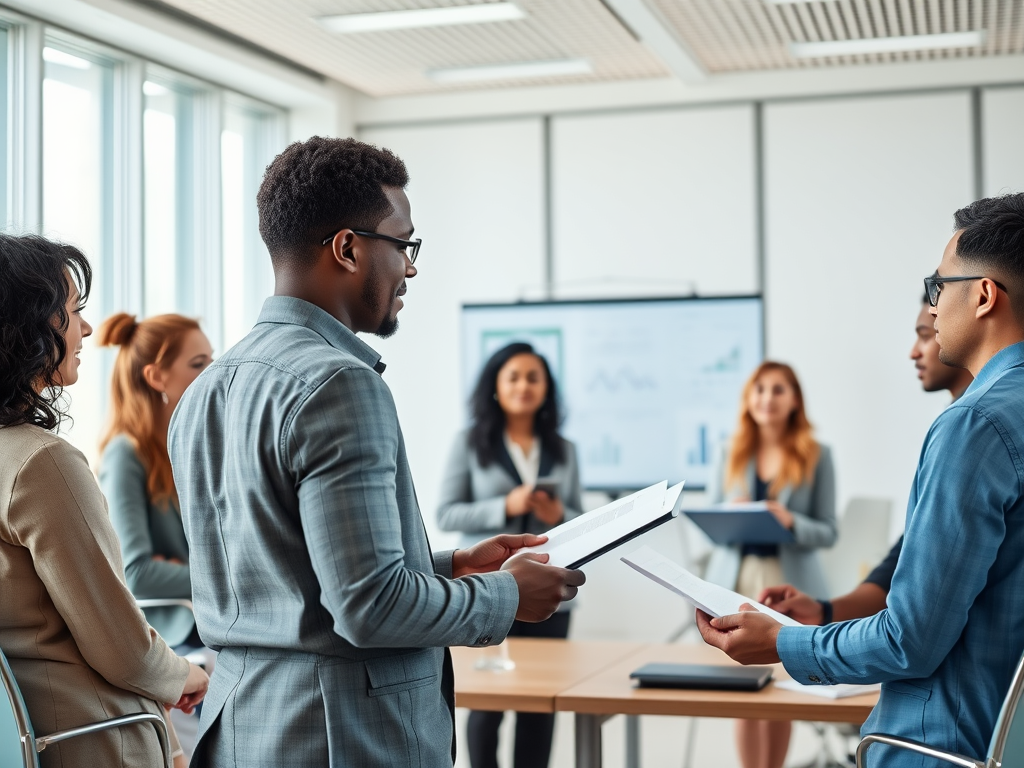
(993, 238)
(488, 428)
(319, 186)
(33, 319)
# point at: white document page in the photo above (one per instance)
(841, 691)
(710, 598)
(571, 542)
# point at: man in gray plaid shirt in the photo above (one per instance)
(311, 570)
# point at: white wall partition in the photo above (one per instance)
(657, 202)
(1003, 149)
(477, 202)
(859, 200)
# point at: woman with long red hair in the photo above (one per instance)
(158, 358)
(773, 457)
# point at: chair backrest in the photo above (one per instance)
(17, 740)
(863, 543)
(1007, 745)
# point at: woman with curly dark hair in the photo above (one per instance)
(79, 647)
(512, 472)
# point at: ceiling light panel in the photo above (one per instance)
(416, 18)
(397, 62)
(910, 43)
(526, 70)
(753, 35)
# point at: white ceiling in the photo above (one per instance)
(714, 36)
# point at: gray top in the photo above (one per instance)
(813, 504)
(146, 529)
(473, 497)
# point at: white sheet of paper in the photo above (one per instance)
(572, 541)
(841, 691)
(710, 598)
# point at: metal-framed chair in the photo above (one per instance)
(19, 746)
(1005, 750)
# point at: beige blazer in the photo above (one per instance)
(80, 649)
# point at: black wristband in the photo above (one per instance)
(826, 612)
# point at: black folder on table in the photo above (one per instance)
(747, 523)
(706, 676)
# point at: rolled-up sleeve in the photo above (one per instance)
(343, 446)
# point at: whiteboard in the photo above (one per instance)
(650, 387)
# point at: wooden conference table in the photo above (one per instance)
(591, 679)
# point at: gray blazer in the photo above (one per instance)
(144, 530)
(311, 570)
(813, 505)
(473, 497)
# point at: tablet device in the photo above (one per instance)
(745, 523)
(547, 484)
(708, 676)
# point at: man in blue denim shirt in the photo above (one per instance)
(946, 646)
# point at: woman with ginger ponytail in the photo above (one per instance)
(773, 457)
(157, 360)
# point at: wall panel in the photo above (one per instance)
(655, 203)
(1003, 149)
(476, 191)
(860, 195)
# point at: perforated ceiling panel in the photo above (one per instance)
(396, 62)
(731, 35)
(723, 36)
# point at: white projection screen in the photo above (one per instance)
(650, 387)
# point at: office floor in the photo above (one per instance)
(663, 741)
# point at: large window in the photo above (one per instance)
(169, 157)
(78, 202)
(124, 159)
(248, 143)
(5, 151)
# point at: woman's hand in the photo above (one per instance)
(548, 510)
(196, 685)
(518, 503)
(783, 515)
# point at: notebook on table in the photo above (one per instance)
(706, 676)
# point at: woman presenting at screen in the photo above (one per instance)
(491, 487)
(774, 458)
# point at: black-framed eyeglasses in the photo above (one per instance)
(933, 284)
(412, 246)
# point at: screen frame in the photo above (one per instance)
(616, 490)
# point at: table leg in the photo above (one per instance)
(588, 740)
(632, 741)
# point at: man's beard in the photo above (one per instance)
(371, 291)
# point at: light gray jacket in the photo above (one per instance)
(813, 505)
(146, 529)
(473, 497)
(311, 569)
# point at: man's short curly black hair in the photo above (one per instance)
(318, 186)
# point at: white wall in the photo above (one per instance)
(859, 194)
(1003, 127)
(859, 201)
(657, 202)
(476, 191)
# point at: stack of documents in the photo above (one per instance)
(710, 598)
(588, 536)
(841, 691)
